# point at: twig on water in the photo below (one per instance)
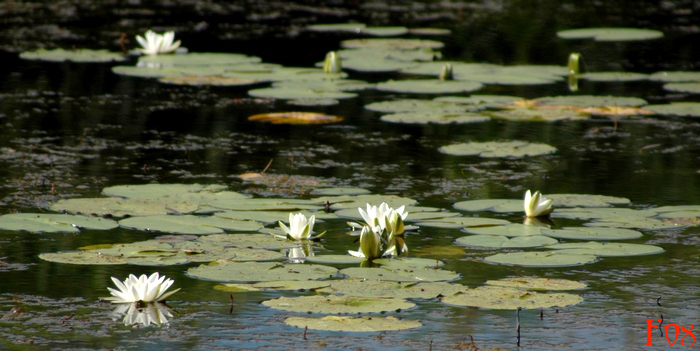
(517, 325)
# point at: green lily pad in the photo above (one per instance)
(157, 261)
(541, 259)
(80, 55)
(498, 149)
(378, 55)
(146, 72)
(429, 31)
(118, 207)
(354, 202)
(196, 59)
(333, 304)
(601, 213)
(207, 80)
(337, 27)
(495, 205)
(313, 102)
(384, 31)
(188, 224)
(676, 76)
(535, 283)
(291, 93)
(434, 118)
(255, 241)
(607, 249)
(273, 73)
(683, 109)
(434, 68)
(408, 263)
(502, 241)
(416, 105)
(585, 200)
(394, 44)
(611, 34)
(400, 275)
(462, 222)
(271, 216)
(353, 324)
(429, 86)
(687, 211)
(82, 258)
(340, 191)
(479, 101)
(324, 84)
(53, 223)
(296, 285)
(591, 101)
(692, 88)
(613, 76)
(538, 115)
(376, 64)
(516, 75)
(632, 222)
(260, 271)
(510, 230)
(335, 259)
(378, 288)
(507, 298)
(592, 233)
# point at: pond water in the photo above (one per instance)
(71, 129)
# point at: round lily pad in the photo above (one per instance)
(353, 324)
(167, 190)
(335, 259)
(53, 223)
(270, 216)
(377, 288)
(81, 257)
(676, 76)
(313, 102)
(683, 109)
(495, 205)
(146, 72)
(79, 55)
(298, 285)
(507, 298)
(611, 34)
(434, 118)
(613, 76)
(212, 80)
(400, 275)
(591, 101)
(510, 230)
(479, 101)
(538, 115)
(403, 44)
(340, 191)
(429, 86)
(592, 233)
(333, 304)
(692, 88)
(336, 27)
(295, 93)
(295, 118)
(607, 249)
(585, 200)
(122, 207)
(196, 59)
(502, 241)
(416, 105)
(541, 259)
(257, 241)
(408, 263)
(535, 283)
(260, 271)
(632, 222)
(188, 224)
(498, 149)
(517, 75)
(462, 222)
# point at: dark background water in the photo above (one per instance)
(71, 129)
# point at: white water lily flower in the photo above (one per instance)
(299, 227)
(141, 289)
(537, 205)
(155, 43)
(136, 313)
(385, 217)
(370, 243)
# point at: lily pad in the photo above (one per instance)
(495, 205)
(400, 275)
(53, 223)
(377, 288)
(416, 105)
(479, 101)
(434, 118)
(592, 233)
(122, 207)
(313, 102)
(196, 59)
(507, 298)
(337, 27)
(535, 283)
(613, 76)
(295, 118)
(340, 191)
(260, 271)
(632, 222)
(333, 304)
(335, 259)
(408, 263)
(429, 86)
(510, 230)
(212, 80)
(188, 224)
(256, 241)
(270, 216)
(297, 285)
(166, 190)
(462, 222)
(292, 93)
(394, 44)
(607, 249)
(538, 115)
(498, 149)
(502, 241)
(82, 258)
(585, 200)
(541, 259)
(516, 75)
(611, 34)
(80, 55)
(676, 76)
(353, 324)
(692, 88)
(591, 101)
(354, 202)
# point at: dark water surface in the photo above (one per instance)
(71, 129)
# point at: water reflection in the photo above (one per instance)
(145, 314)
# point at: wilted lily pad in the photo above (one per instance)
(434, 118)
(507, 298)
(295, 118)
(592, 233)
(607, 249)
(333, 304)
(541, 259)
(502, 241)
(400, 275)
(352, 324)
(377, 288)
(188, 224)
(611, 34)
(684, 109)
(79, 55)
(429, 86)
(534, 283)
(53, 223)
(498, 149)
(259, 271)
